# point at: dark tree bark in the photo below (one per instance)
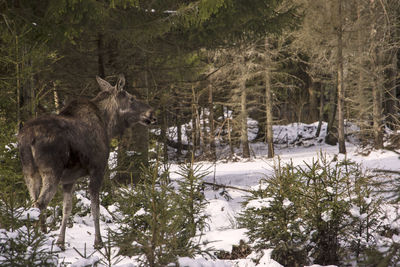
(243, 122)
(268, 104)
(213, 155)
(313, 102)
(331, 130)
(321, 110)
(100, 56)
(340, 83)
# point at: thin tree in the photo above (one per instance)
(268, 102)
(340, 81)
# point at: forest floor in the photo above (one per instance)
(223, 230)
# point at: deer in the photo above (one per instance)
(62, 148)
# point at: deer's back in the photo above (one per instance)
(64, 142)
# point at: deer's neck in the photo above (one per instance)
(113, 123)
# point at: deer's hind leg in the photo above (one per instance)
(94, 189)
(33, 181)
(67, 208)
(48, 190)
(32, 176)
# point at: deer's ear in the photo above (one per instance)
(120, 82)
(104, 85)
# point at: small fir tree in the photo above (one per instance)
(23, 244)
(155, 222)
(325, 212)
(273, 216)
(191, 199)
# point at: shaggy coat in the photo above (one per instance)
(60, 149)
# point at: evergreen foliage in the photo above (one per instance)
(273, 216)
(325, 212)
(191, 200)
(13, 192)
(159, 221)
(22, 244)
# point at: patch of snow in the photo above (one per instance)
(287, 203)
(201, 262)
(221, 215)
(326, 216)
(260, 203)
(86, 262)
(224, 239)
(140, 212)
(263, 258)
(32, 214)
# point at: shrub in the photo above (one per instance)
(273, 216)
(324, 212)
(158, 222)
(23, 245)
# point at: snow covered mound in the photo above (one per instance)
(299, 133)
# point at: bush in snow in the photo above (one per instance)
(272, 216)
(158, 222)
(20, 243)
(13, 192)
(325, 212)
(190, 198)
(24, 245)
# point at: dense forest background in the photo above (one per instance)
(206, 66)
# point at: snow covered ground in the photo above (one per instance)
(224, 231)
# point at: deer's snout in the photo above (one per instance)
(149, 118)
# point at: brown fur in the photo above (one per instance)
(59, 149)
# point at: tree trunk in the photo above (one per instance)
(377, 108)
(392, 102)
(18, 83)
(268, 103)
(244, 139)
(213, 155)
(377, 88)
(179, 135)
(229, 136)
(377, 116)
(56, 98)
(321, 110)
(100, 56)
(313, 100)
(195, 122)
(340, 84)
(164, 128)
(133, 150)
(331, 130)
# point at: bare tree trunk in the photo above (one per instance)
(363, 98)
(196, 129)
(133, 150)
(321, 110)
(392, 102)
(268, 103)
(243, 121)
(203, 131)
(377, 115)
(378, 86)
(229, 136)
(18, 82)
(377, 99)
(56, 99)
(313, 100)
(331, 130)
(179, 133)
(100, 56)
(340, 83)
(213, 155)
